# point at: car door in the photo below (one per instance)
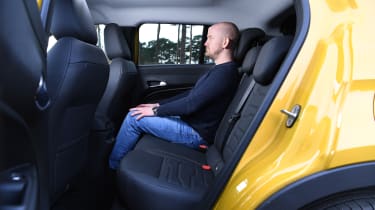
(163, 81)
(19, 183)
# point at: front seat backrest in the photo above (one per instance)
(23, 56)
(77, 73)
(23, 44)
(118, 96)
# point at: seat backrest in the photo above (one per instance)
(118, 95)
(23, 44)
(266, 67)
(23, 55)
(247, 76)
(246, 52)
(77, 74)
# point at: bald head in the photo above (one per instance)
(221, 41)
(229, 30)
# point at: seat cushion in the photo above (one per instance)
(164, 181)
(159, 146)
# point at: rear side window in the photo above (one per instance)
(171, 44)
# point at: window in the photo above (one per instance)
(100, 33)
(170, 44)
(51, 42)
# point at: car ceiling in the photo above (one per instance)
(245, 13)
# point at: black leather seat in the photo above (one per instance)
(248, 39)
(168, 177)
(23, 44)
(77, 74)
(119, 93)
(23, 56)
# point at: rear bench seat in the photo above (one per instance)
(161, 175)
(250, 38)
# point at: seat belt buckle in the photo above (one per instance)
(206, 167)
(203, 147)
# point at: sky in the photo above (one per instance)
(148, 32)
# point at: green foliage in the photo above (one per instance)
(165, 51)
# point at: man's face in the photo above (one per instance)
(214, 42)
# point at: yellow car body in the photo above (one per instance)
(333, 80)
(328, 147)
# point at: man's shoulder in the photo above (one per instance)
(226, 68)
(229, 64)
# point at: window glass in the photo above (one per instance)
(51, 42)
(100, 34)
(170, 43)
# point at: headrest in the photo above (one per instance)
(270, 58)
(249, 60)
(115, 42)
(245, 42)
(73, 18)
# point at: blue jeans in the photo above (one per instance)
(171, 129)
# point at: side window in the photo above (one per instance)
(170, 44)
(100, 33)
(51, 42)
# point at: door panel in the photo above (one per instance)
(18, 176)
(19, 188)
(163, 81)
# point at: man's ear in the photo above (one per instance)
(226, 43)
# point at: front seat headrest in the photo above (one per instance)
(72, 18)
(115, 42)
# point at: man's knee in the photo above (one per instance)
(130, 120)
(133, 122)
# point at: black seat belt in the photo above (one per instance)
(237, 112)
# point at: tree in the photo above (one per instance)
(190, 44)
(147, 52)
(166, 54)
(167, 51)
(157, 50)
(195, 48)
(163, 50)
(182, 44)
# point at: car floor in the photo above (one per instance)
(90, 194)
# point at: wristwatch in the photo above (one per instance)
(155, 110)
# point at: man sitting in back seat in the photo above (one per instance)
(190, 118)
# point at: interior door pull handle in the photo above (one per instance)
(160, 84)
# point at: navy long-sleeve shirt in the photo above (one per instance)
(204, 105)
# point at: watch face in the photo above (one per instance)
(155, 110)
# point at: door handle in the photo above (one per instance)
(154, 84)
(19, 188)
